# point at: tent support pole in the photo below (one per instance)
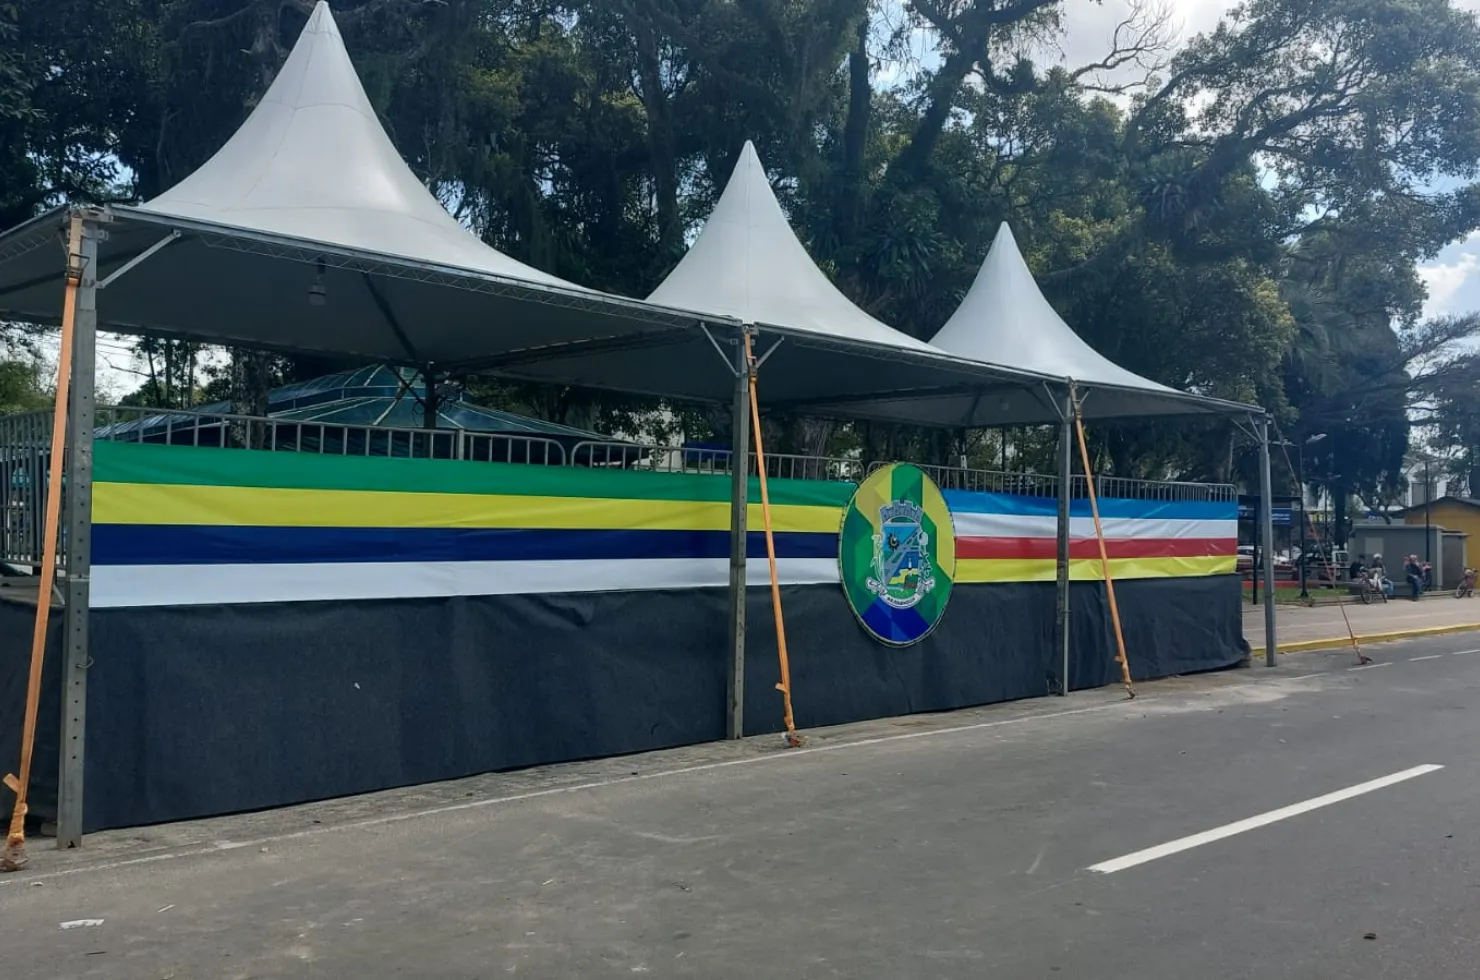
(1266, 535)
(79, 494)
(1094, 509)
(1066, 477)
(739, 536)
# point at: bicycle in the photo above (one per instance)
(1371, 585)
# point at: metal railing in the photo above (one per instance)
(1167, 490)
(986, 481)
(495, 447)
(25, 455)
(1041, 485)
(185, 428)
(709, 460)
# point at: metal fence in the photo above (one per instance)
(185, 428)
(709, 460)
(1040, 485)
(1169, 490)
(25, 455)
(986, 481)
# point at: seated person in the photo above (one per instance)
(1413, 572)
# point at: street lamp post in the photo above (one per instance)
(1428, 531)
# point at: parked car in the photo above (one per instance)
(1245, 561)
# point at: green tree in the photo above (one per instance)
(21, 386)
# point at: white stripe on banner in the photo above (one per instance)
(193, 585)
(1012, 526)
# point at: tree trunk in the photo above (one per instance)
(251, 382)
(849, 216)
(660, 139)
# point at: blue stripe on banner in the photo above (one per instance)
(163, 544)
(976, 502)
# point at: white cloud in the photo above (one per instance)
(1089, 28)
(1452, 280)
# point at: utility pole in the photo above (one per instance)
(1428, 530)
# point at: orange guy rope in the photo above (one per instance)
(13, 858)
(792, 738)
(1094, 509)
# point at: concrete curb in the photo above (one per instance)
(1335, 642)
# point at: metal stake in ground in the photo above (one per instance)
(13, 858)
(1094, 509)
(792, 738)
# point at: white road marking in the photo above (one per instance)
(81, 923)
(1371, 666)
(1432, 656)
(1461, 653)
(1253, 823)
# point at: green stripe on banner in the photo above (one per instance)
(117, 462)
(858, 538)
(932, 602)
(908, 483)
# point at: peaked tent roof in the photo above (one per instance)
(748, 264)
(313, 162)
(1005, 319)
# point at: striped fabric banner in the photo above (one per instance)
(1006, 538)
(185, 525)
(175, 525)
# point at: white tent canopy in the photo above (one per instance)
(747, 264)
(1005, 319)
(313, 162)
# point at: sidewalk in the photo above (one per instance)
(1304, 628)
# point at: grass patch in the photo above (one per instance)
(1290, 592)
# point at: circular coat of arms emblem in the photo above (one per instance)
(897, 554)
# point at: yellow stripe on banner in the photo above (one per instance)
(148, 503)
(977, 570)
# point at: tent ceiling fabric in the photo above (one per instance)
(246, 289)
(748, 265)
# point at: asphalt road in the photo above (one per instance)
(950, 846)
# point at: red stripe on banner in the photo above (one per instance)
(1090, 548)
